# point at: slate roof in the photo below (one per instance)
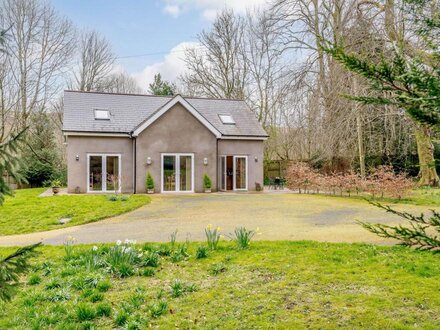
(128, 111)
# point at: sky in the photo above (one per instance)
(159, 30)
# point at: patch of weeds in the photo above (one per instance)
(34, 279)
(59, 295)
(85, 312)
(212, 237)
(32, 297)
(164, 250)
(96, 296)
(123, 198)
(103, 286)
(53, 284)
(136, 322)
(158, 309)
(218, 268)
(151, 260)
(148, 272)
(160, 294)
(68, 271)
(173, 238)
(124, 270)
(178, 288)
(87, 326)
(103, 309)
(112, 198)
(243, 236)
(87, 293)
(181, 253)
(68, 247)
(121, 318)
(137, 298)
(46, 268)
(202, 252)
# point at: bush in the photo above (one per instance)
(149, 182)
(112, 198)
(207, 183)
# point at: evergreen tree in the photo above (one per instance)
(161, 87)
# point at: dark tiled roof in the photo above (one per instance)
(127, 111)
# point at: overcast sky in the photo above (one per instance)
(161, 29)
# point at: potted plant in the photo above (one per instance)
(56, 185)
(150, 184)
(207, 183)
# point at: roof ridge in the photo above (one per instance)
(152, 95)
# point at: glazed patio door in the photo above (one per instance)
(240, 173)
(177, 173)
(104, 173)
(222, 174)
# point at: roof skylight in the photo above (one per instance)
(102, 114)
(227, 119)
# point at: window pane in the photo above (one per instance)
(169, 173)
(113, 173)
(240, 173)
(95, 179)
(185, 173)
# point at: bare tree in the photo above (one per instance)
(120, 82)
(39, 48)
(96, 61)
(218, 68)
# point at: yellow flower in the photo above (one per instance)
(209, 226)
(218, 228)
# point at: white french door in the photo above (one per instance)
(235, 169)
(240, 173)
(103, 172)
(177, 173)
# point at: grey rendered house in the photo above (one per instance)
(113, 140)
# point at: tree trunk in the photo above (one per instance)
(425, 149)
(360, 131)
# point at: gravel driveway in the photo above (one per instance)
(280, 216)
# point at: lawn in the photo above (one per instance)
(27, 213)
(281, 284)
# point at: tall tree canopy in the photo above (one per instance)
(161, 87)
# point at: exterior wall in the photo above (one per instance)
(81, 146)
(177, 131)
(251, 148)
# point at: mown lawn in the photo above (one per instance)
(288, 285)
(27, 213)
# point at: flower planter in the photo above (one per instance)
(150, 191)
(55, 190)
(207, 190)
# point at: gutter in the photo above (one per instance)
(134, 161)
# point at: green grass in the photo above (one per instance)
(27, 213)
(288, 285)
(421, 196)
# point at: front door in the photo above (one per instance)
(177, 172)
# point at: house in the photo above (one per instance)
(114, 140)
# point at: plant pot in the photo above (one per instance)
(150, 191)
(207, 190)
(55, 190)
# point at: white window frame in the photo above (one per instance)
(177, 155)
(235, 173)
(102, 111)
(227, 119)
(104, 171)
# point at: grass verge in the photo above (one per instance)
(291, 285)
(27, 213)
